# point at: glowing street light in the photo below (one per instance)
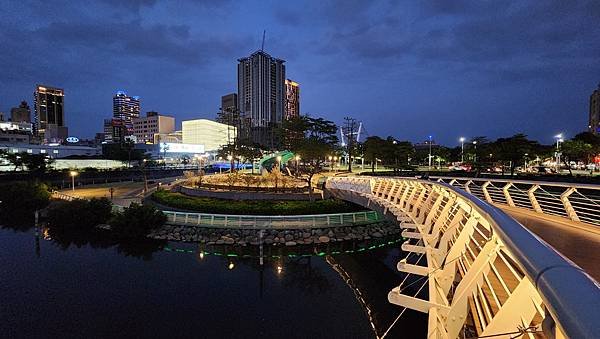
(73, 175)
(475, 145)
(462, 149)
(231, 265)
(429, 165)
(559, 139)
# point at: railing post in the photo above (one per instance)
(186, 218)
(486, 194)
(509, 199)
(567, 204)
(467, 186)
(533, 200)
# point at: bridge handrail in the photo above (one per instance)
(560, 282)
(571, 297)
(577, 202)
(521, 181)
(233, 221)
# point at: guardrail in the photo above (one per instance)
(487, 276)
(578, 202)
(62, 196)
(271, 222)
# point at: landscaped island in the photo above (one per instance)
(253, 207)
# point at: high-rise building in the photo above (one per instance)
(115, 130)
(594, 125)
(229, 102)
(49, 114)
(261, 95)
(205, 132)
(145, 128)
(21, 113)
(126, 108)
(292, 99)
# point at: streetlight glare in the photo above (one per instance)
(462, 139)
(74, 173)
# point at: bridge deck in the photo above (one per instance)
(580, 245)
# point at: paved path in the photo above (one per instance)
(577, 241)
(124, 192)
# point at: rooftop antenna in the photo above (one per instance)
(262, 47)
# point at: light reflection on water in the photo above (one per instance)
(92, 285)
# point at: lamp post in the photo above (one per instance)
(475, 146)
(331, 162)
(297, 159)
(462, 150)
(279, 161)
(73, 175)
(230, 158)
(429, 163)
(335, 159)
(559, 139)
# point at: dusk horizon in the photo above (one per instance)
(409, 71)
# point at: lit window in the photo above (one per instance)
(43, 151)
(55, 151)
(29, 151)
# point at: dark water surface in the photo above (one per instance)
(71, 287)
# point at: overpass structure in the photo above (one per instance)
(486, 274)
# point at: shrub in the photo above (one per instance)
(79, 214)
(136, 221)
(23, 197)
(253, 207)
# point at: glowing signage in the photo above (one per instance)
(168, 147)
(72, 140)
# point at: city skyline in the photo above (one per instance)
(427, 69)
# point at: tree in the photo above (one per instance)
(373, 150)
(14, 159)
(313, 139)
(513, 149)
(37, 164)
(575, 150)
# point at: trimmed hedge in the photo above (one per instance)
(253, 207)
(136, 221)
(79, 214)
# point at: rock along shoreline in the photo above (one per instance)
(273, 237)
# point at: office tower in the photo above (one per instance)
(292, 99)
(115, 130)
(205, 132)
(21, 113)
(49, 114)
(594, 124)
(229, 102)
(126, 108)
(154, 123)
(261, 95)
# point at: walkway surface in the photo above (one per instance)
(124, 193)
(576, 241)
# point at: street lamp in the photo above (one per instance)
(331, 162)
(297, 159)
(462, 150)
(279, 161)
(429, 166)
(335, 159)
(475, 145)
(73, 175)
(559, 139)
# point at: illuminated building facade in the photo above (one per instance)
(261, 95)
(292, 99)
(126, 108)
(145, 128)
(21, 113)
(209, 133)
(49, 114)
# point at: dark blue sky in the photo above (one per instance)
(446, 68)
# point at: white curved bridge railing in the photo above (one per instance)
(578, 202)
(486, 275)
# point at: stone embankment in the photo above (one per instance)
(211, 236)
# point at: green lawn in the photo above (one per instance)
(253, 207)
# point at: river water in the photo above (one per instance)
(60, 286)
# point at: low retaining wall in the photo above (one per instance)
(243, 195)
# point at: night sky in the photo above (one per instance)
(445, 68)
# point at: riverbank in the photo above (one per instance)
(214, 236)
